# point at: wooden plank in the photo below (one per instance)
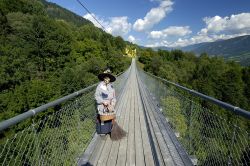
(131, 145)
(148, 154)
(120, 100)
(97, 152)
(139, 151)
(168, 157)
(105, 152)
(115, 146)
(157, 153)
(121, 158)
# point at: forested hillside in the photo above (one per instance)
(47, 52)
(213, 76)
(57, 12)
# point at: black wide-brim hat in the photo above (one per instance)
(103, 75)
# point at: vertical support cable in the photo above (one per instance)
(231, 146)
(189, 127)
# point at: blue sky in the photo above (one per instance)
(171, 23)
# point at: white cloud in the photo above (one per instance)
(235, 24)
(199, 38)
(131, 39)
(154, 16)
(217, 28)
(159, 43)
(117, 26)
(170, 31)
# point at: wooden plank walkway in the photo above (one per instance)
(149, 140)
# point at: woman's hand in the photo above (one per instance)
(105, 103)
(111, 108)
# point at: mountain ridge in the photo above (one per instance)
(237, 49)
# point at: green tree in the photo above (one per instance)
(24, 6)
(231, 87)
(246, 79)
(172, 109)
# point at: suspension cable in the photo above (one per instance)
(91, 15)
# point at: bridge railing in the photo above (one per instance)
(56, 133)
(212, 132)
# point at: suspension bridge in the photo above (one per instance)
(164, 121)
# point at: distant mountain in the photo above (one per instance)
(187, 48)
(193, 47)
(226, 48)
(163, 48)
(237, 49)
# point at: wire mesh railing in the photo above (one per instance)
(210, 134)
(56, 136)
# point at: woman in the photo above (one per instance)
(105, 100)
